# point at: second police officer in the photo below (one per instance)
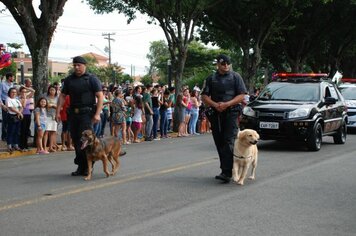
(86, 102)
(223, 93)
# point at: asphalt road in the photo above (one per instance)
(167, 187)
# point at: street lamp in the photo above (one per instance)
(100, 50)
(22, 72)
(169, 65)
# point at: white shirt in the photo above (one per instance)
(137, 117)
(13, 102)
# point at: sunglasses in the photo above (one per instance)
(224, 63)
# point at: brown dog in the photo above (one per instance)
(245, 154)
(106, 149)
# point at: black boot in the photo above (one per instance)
(79, 172)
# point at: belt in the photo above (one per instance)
(80, 110)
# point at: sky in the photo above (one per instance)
(81, 31)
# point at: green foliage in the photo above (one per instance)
(199, 61)
(177, 18)
(16, 46)
(158, 56)
(198, 79)
(146, 80)
(126, 78)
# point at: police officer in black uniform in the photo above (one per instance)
(86, 102)
(223, 93)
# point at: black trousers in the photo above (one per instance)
(79, 123)
(224, 127)
(24, 131)
(5, 118)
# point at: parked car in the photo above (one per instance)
(301, 107)
(348, 91)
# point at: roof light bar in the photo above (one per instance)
(300, 75)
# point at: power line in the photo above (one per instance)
(108, 37)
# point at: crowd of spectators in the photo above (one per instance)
(133, 114)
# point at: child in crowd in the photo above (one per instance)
(65, 135)
(137, 118)
(129, 113)
(40, 124)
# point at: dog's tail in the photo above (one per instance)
(122, 153)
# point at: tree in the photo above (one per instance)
(199, 63)
(38, 33)
(245, 26)
(319, 36)
(339, 36)
(16, 46)
(177, 18)
(158, 56)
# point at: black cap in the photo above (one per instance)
(79, 59)
(223, 58)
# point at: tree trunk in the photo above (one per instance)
(40, 69)
(38, 33)
(250, 63)
(178, 74)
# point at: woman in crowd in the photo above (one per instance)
(27, 102)
(194, 112)
(155, 107)
(181, 107)
(51, 125)
(104, 116)
(165, 103)
(186, 100)
(118, 115)
(14, 120)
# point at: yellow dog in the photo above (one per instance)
(245, 154)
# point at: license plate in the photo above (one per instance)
(269, 125)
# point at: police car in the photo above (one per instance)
(348, 91)
(303, 107)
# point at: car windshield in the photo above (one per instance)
(349, 93)
(291, 92)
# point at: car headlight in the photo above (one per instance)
(299, 113)
(351, 103)
(248, 111)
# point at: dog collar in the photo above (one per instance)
(242, 157)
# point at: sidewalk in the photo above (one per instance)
(4, 154)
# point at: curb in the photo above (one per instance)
(32, 151)
(8, 155)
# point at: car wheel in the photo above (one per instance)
(340, 136)
(315, 139)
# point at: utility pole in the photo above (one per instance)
(108, 37)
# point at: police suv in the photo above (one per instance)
(303, 107)
(348, 91)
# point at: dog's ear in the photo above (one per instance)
(257, 135)
(239, 135)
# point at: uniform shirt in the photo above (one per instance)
(81, 90)
(224, 87)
